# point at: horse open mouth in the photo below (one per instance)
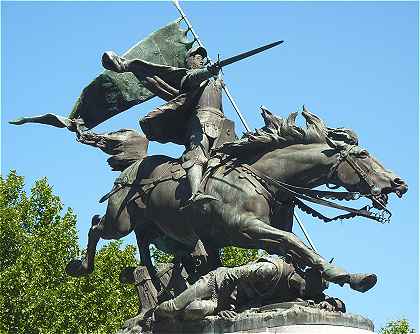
(380, 202)
(399, 193)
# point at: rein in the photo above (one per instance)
(317, 196)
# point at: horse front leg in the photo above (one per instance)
(257, 234)
(261, 235)
(77, 268)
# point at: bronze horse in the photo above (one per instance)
(249, 212)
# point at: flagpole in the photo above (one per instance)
(232, 101)
(225, 88)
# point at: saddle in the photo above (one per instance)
(170, 170)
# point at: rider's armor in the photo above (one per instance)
(205, 123)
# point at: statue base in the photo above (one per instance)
(275, 318)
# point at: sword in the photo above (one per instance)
(225, 88)
(190, 27)
(244, 55)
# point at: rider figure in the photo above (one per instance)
(206, 117)
(206, 114)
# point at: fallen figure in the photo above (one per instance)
(225, 291)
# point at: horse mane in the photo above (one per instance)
(281, 132)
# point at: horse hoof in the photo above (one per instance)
(95, 220)
(362, 282)
(76, 268)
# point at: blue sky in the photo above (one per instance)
(355, 64)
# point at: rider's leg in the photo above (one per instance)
(194, 159)
(194, 175)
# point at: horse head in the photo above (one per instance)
(350, 166)
(358, 171)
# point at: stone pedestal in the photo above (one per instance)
(272, 319)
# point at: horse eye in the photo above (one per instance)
(363, 154)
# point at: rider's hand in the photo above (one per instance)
(326, 306)
(214, 68)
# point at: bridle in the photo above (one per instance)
(297, 194)
(345, 156)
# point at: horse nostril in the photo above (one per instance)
(400, 187)
(398, 182)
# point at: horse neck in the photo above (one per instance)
(301, 165)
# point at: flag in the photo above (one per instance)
(112, 93)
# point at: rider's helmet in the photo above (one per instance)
(196, 50)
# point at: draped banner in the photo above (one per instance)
(111, 93)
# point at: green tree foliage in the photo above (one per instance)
(159, 256)
(36, 243)
(230, 256)
(397, 327)
(235, 256)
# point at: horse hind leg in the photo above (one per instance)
(143, 243)
(77, 268)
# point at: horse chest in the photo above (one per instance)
(239, 197)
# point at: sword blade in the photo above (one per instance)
(248, 54)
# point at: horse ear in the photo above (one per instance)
(332, 143)
(335, 144)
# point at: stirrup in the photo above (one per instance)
(197, 198)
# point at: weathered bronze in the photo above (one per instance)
(226, 291)
(222, 191)
(234, 59)
(248, 212)
(195, 110)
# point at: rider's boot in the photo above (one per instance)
(194, 175)
(111, 61)
(358, 282)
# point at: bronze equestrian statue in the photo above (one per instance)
(253, 208)
(223, 191)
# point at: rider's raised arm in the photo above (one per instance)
(195, 77)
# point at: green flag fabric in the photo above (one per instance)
(112, 93)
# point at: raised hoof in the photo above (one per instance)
(362, 282)
(76, 268)
(96, 220)
(111, 61)
(334, 274)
